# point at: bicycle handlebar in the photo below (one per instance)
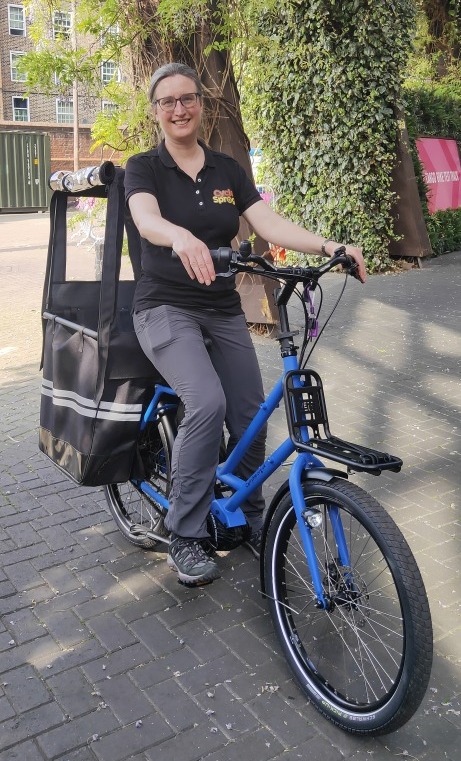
(239, 261)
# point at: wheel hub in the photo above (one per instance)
(346, 590)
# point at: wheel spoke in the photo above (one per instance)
(351, 656)
(138, 516)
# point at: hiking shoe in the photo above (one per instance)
(254, 542)
(208, 547)
(193, 564)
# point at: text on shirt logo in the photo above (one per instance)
(223, 196)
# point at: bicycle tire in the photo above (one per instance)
(137, 515)
(364, 664)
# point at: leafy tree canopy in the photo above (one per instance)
(320, 83)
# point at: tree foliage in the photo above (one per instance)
(443, 18)
(323, 98)
(321, 86)
(201, 33)
(433, 81)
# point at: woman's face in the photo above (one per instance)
(182, 121)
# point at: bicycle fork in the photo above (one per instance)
(306, 523)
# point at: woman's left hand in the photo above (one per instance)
(357, 255)
(352, 251)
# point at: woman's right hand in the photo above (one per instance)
(195, 256)
(193, 253)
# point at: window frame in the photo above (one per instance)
(108, 111)
(63, 33)
(10, 27)
(67, 102)
(20, 77)
(115, 75)
(15, 108)
(112, 31)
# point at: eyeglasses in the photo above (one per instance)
(189, 100)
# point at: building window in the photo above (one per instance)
(109, 33)
(109, 108)
(64, 110)
(16, 75)
(21, 110)
(109, 72)
(62, 22)
(17, 20)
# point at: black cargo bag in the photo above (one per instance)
(96, 378)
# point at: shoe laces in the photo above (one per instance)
(190, 549)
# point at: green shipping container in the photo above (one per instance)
(24, 171)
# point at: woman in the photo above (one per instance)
(185, 198)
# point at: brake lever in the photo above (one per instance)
(240, 263)
(241, 266)
(228, 273)
(261, 261)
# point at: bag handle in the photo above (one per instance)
(56, 259)
(111, 262)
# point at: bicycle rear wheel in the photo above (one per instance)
(139, 517)
(365, 662)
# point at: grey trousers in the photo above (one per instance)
(216, 385)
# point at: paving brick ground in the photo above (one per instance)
(104, 657)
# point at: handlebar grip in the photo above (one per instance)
(351, 266)
(222, 255)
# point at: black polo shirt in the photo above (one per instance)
(209, 208)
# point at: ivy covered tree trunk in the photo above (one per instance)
(325, 98)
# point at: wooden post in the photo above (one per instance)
(408, 215)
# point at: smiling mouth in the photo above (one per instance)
(181, 121)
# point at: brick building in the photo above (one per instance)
(49, 113)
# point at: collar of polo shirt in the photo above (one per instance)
(169, 161)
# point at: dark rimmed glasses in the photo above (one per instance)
(189, 100)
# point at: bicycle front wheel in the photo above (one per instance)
(138, 516)
(365, 661)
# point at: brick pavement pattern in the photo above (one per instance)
(105, 657)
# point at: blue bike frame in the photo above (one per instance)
(227, 509)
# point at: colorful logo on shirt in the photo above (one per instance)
(223, 196)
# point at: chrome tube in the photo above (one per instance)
(82, 179)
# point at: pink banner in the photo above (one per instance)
(441, 172)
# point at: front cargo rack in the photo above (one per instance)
(306, 409)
